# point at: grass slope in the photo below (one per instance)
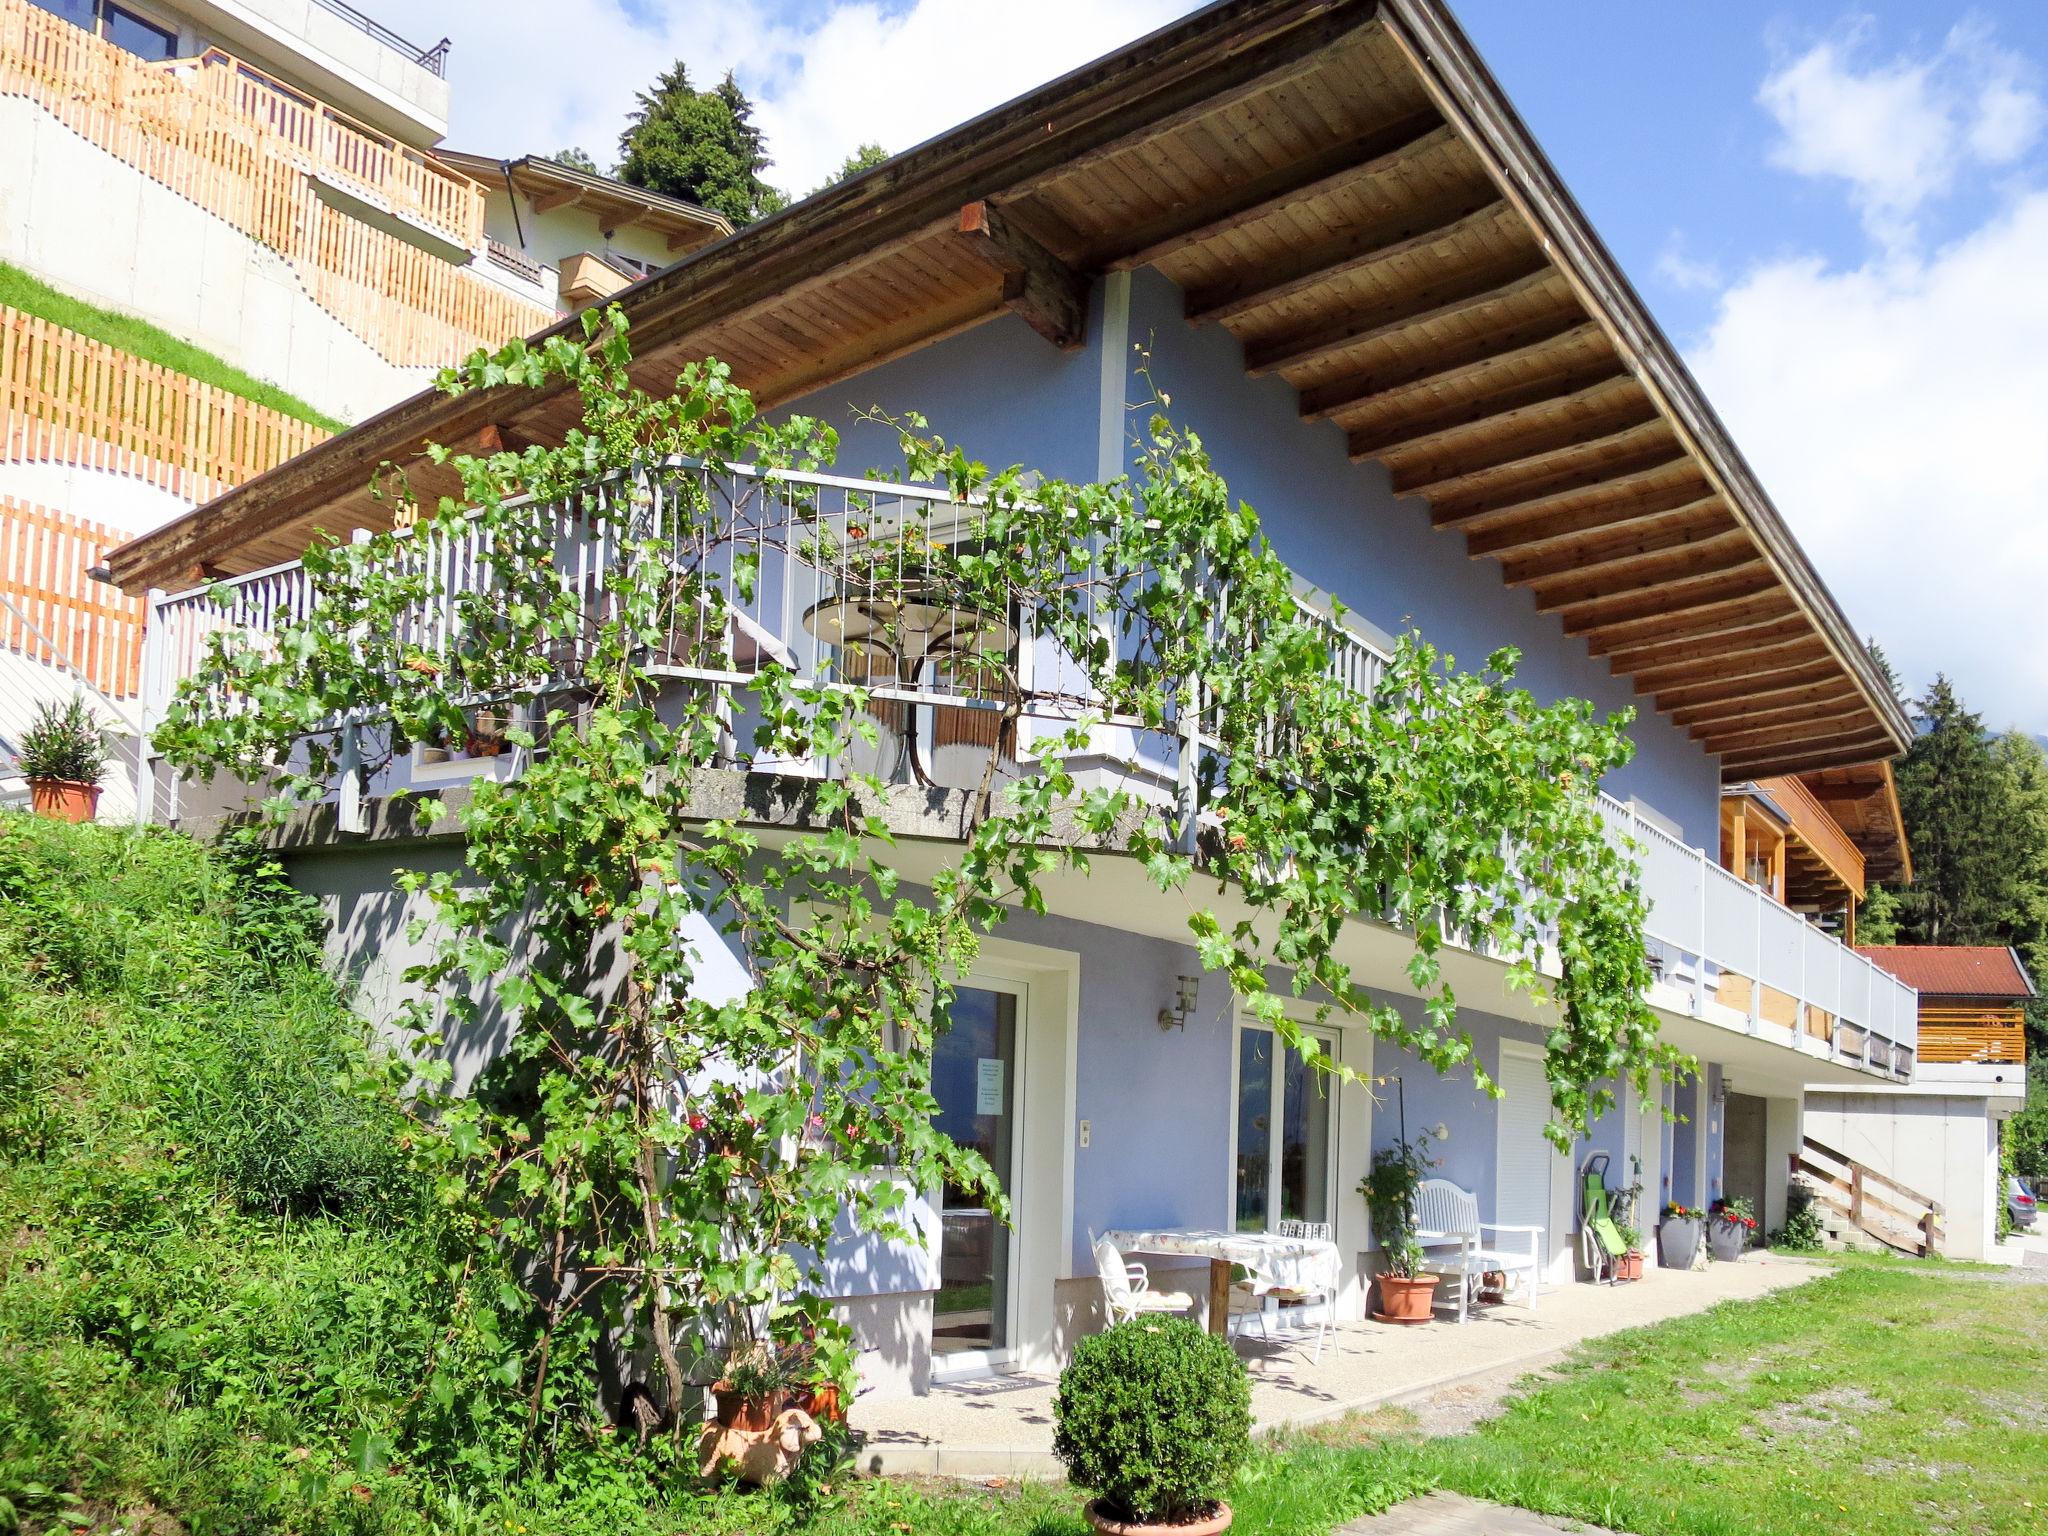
(152, 344)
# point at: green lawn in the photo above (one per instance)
(1883, 1398)
(148, 342)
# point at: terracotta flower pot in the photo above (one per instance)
(1629, 1267)
(1678, 1239)
(1108, 1525)
(737, 1412)
(1406, 1299)
(63, 799)
(821, 1403)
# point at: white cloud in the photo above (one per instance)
(528, 77)
(1684, 271)
(1897, 411)
(1900, 131)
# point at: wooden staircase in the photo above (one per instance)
(1856, 1200)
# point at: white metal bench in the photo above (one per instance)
(1454, 1245)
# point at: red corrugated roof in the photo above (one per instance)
(1953, 970)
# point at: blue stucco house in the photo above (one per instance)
(1321, 226)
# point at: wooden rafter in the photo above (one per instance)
(1716, 687)
(1765, 707)
(1402, 436)
(1675, 597)
(1450, 299)
(1785, 657)
(1557, 535)
(1364, 158)
(1697, 622)
(1483, 464)
(1475, 360)
(1727, 550)
(1391, 239)
(1729, 646)
(1050, 296)
(1749, 737)
(1689, 524)
(1841, 752)
(1653, 465)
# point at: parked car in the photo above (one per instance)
(2020, 1203)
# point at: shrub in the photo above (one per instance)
(64, 743)
(1153, 1417)
(1802, 1232)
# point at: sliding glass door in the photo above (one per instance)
(974, 1078)
(1286, 1126)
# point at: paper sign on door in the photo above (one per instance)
(988, 1085)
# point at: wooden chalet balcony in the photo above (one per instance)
(1959, 1036)
(941, 706)
(334, 147)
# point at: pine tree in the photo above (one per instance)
(1958, 810)
(865, 158)
(701, 146)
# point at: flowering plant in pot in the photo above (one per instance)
(1407, 1294)
(63, 753)
(1730, 1228)
(1154, 1418)
(1678, 1236)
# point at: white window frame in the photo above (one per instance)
(1331, 1041)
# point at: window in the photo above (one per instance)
(144, 39)
(1286, 1123)
(118, 25)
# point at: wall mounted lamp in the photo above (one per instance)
(1186, 994)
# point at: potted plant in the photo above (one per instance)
(1154, 1418)
(1407, 1293)
(63, 753)
(750, 1389)
(1629, 1266)
(1678, 1236)
(1729, 1228)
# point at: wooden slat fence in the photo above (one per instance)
(44, 557)
(337, 147)
(70, 399)
(413, 308)
(1952, 1035)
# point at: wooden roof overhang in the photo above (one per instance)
(1340, 184)
(548, 184)
(1864, 802)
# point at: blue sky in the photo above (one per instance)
(1838, 212)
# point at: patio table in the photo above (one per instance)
(1300, 1263)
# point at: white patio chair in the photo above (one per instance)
(1300, 1298)
(1247, 1299)
(1127, 1288)
(1452, 1236)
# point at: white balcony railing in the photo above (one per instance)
(1712, 933)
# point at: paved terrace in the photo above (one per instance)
(1003, 1427)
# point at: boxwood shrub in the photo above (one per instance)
(1154, 1417)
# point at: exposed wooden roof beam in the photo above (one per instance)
(1766, 707)
(1558, 536)
(1050, 296)
(1451, 367)
(1629, 536)
(1756, 670)
(561, 197)
(1571, 445)
(1697, 623)
(1657, 464)
(1677, 597)
(1739, 642)
(1728, 551)
(1447, 474)
(1865, 747)
(1814, 726)
(1446, 299)
(1391, 239)
(1363, 158)
(1503, 409)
